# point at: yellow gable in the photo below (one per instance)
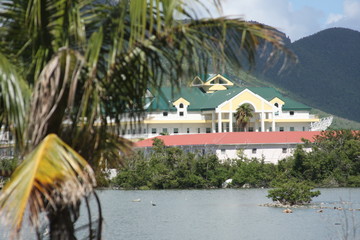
(196, 82)
(247, 96)
(218, 79)
(217, 87)
(277, 100)
(213, 88)
(181, 100)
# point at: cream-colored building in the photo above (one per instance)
(209, 105)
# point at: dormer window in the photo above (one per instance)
(218, 81)
(276, 105)
(181, 106)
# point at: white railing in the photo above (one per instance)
(322, 125)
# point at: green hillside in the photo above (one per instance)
(338, 122)
(327, 76)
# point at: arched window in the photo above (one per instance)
(276, 105)
(181, 105)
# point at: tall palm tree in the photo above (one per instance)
(87, 64)
(243, 115)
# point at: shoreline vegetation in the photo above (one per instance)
(333, 162)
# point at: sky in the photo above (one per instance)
(296, 18)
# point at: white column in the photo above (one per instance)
(273, 122)
(256, 124)
(262, 117)
(213, 122)
(219, 121)
(230, 117)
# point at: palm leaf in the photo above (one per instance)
(53, 174)
(54, 93)
(12, 102)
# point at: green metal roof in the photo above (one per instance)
(199, 100)
(293, 105)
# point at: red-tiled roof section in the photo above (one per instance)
(232, 138)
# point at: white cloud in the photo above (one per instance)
(349, 18)
(333, 18)
(294, 22)
(277, 13)
(352, 9)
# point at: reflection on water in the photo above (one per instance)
(224, 214)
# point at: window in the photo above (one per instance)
(303, 128)
(198, 130)
(226, 127)
(221, 81)
(133, 132)
(276, 105)
(129, 132)
(270, 129)
(251, 129)
(165, 114)
(181, 105)
(181, 114)
(276, 113)
(254, 150)
(223, 151)
(164, 130)
(176, 130)
(139, 131)
(208, 130)
(284, 150)
(153, 130)
(259, 129)
(188, 130)
(144, 130)
(281, 129)
(292, 113)
(292, 129)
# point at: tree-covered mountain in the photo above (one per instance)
(327, 75)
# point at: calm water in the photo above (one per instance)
(223, 215)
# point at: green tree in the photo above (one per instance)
(87, 61)
(293, 192)
(332, 162)
(243, 115)
(254, 172)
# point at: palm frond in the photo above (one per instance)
(100, 146)
(53, 174)
(53, 94)
(12, 99)
(37, 29)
